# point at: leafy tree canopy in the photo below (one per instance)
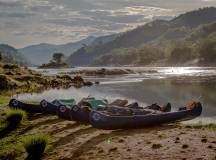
(57, 57)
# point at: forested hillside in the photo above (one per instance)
(175, 42)
(11, 55)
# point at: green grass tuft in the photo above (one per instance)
(11, 120)
(36, 145)
(32, 101)
(14, 117)
(4, 100)
(199, 126)
(9, 147)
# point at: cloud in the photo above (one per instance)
(15, 15)
(25, 22)
(9, 4)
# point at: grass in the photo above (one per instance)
(4, 100)
(9, 142)
(10, 147)
(15, 116)
(13, 145)
(32, 101)
(200, 126)
(36, 145)
(12, 119)
(1, 70)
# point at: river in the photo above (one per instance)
(147, 85)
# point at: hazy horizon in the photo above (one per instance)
(28, 22)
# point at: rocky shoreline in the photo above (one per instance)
(54, 66)
(108, 72)
(13, 77)
(101, 72)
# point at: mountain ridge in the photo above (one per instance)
(42, 53)
(12, 55)
(151, 32)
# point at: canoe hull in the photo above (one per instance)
(44, 107)
(64, 112)
(103, 121)
(78, 114)
(48, 108)
(24, 106)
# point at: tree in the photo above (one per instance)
(207, 50)
(181, 52)
(57, 57)
(149, 53)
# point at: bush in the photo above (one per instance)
(35, 145)
(10, 66)
(14, 117)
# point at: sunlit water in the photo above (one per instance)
(145, 87)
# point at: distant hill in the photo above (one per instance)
(85, 55)
(196, 48)
(159, 33)
(42, 53)
(12, 55)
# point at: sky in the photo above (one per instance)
(27, 22)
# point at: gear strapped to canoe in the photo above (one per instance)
(93, 103)
(69, 102)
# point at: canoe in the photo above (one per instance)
(48, 108)
(64, 112)
(103, 120)
(81, 111)
(43, 107)
(60, 107)
(33, 108)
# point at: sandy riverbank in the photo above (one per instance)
(77, 141)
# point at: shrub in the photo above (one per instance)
(10, 66)
(35, 145)
(14, 117)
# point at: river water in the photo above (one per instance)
(147, 85)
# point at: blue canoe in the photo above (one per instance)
(60, 107)
(103, 120)
(42, 107)
(32, 108)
